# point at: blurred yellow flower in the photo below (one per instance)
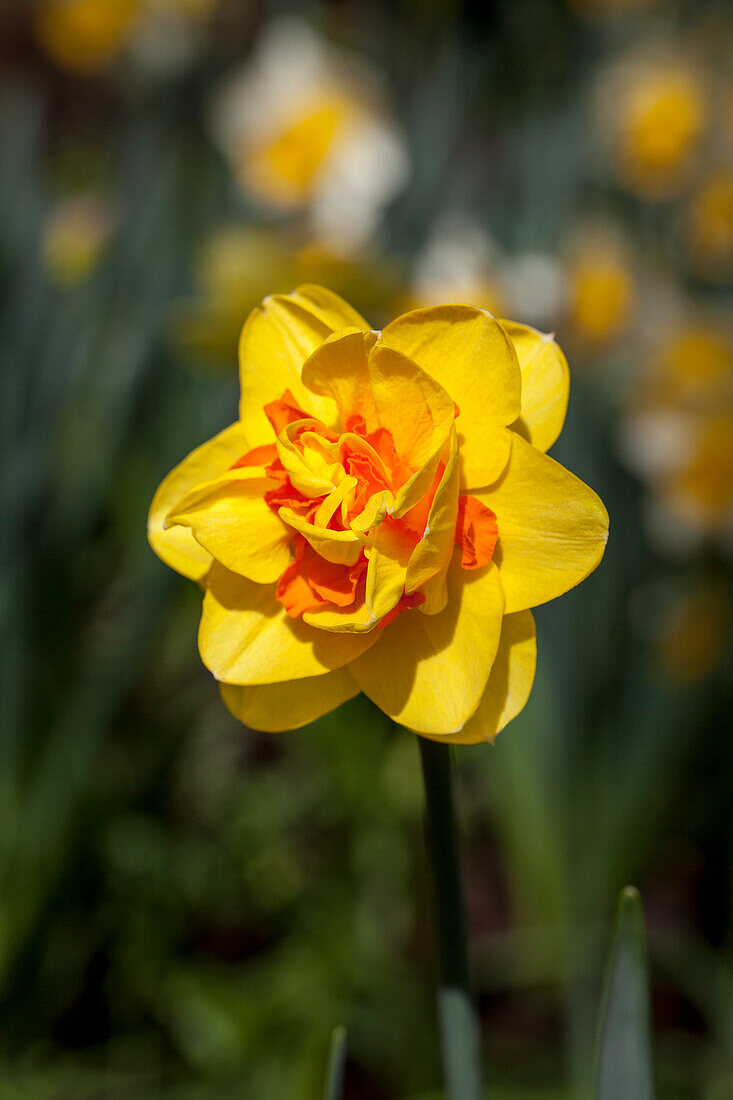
(601, 287)
(381, 517)
(304, 127)
(85, 35)
(75, 235)
(710, 226)
(692, 367)
(657, 111)
(236, 267)
(678, 432)
(239, 264)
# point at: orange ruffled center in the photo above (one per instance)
(336, 483)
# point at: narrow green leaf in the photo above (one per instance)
(336, 1062)
(624, 1055)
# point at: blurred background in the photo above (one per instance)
(188, 908)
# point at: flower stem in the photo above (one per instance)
(459, 1029)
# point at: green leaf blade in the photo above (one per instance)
(334, 1089)
(624, 1049)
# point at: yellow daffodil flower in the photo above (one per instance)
(381, 517)
(656, 113)
(75, 235)
(304, 127)
(85, 35)
(600, 292)
(710, 226)
(678, 433)
(239, 264)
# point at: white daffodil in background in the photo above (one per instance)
(461, 262)
(305, 128)
(678, 434)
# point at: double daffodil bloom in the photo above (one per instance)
(381, 517)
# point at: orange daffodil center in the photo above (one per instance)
(382, 517)
(348, 498)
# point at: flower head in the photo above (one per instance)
(655, 111)
(76, 233)
(601, 287)
(304, 128)
(710, 226)
(382, 516)
(86, 36)
(678, 432)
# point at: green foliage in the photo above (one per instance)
(624, 1055)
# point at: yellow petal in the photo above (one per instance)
(277, 338)
(470, 355)
(177, 547)
(245, 636)
(289, 705)
(414, 408)
(545, 384)
(428, 672)
(231, 520)
(552, 527)
(339, 369)
(339, 547)
(510, 682)
(328, 307)
(432, 555)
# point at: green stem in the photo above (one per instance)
(459, 1029)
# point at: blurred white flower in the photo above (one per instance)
(535, 289)
(305, 127)
(459, 263)
(677, 434)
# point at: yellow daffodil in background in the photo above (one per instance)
(239, 264)
(75, 235)
(381, 517)
(654, 112)
(601, 288)
(87, 35)
(710, 226)
(236, 267)
(304, 127)
(678, 434)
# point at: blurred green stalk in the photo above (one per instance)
(459, 1029)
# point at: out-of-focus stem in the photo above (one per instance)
(459, 1029)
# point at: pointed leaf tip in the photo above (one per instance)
(624, 1054)
(334, 1089)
